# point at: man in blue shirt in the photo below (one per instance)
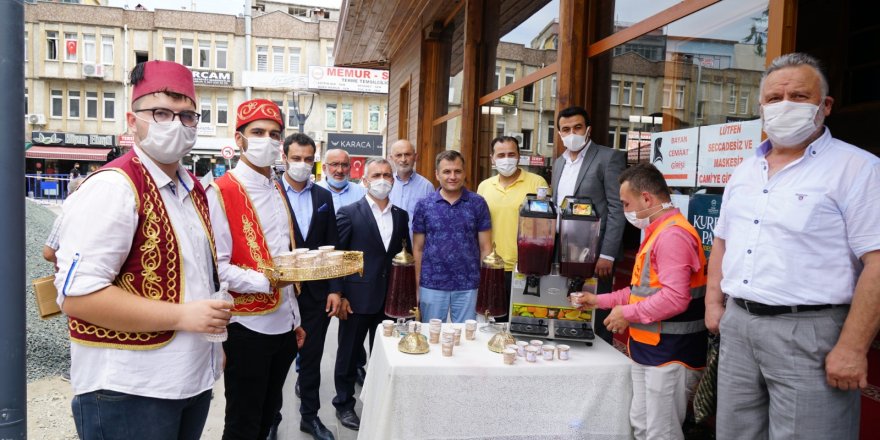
(409, 186)
(336, 166)
(452, 231)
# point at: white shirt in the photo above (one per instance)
(384, 220)
(796, 238)
(100, 220)
(274, 220)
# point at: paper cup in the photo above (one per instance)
(563, 352)
(387, 327)
(549, 352)
(521, 348)
(447, 349)
(531, 353)
(509, 356)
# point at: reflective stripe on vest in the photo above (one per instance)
(649, 284)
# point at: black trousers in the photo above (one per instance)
(352, 332)
(315, 323)
(256, 366)
(603, 286)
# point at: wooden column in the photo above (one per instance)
(571, 84)
(471, 90)
(781, 27)
(433, 81)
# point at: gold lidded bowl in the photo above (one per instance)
(413, 343)
(501, 340)
(403, 258)
(493, 260)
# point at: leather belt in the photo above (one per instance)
(756, 308)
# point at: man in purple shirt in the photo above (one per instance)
(452, 231)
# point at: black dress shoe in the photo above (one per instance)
(349, 419)
(273, 433)
(316, 429)
(296, 389)
(361, 375)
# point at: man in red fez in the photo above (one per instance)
(135, 276)
(252, 226)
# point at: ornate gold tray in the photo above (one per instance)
(284, 270)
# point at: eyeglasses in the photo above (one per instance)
(163, 115)
(344, 166)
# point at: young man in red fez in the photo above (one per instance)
(252, 224)
(136, 273)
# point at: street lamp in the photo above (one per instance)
(302, 101)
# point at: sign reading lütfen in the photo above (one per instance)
(348, 79)
(723, 147)
(356, 144)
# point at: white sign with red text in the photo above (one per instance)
(674, 153)
(348, 79)
(723, 147)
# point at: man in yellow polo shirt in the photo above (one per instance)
(504, 193)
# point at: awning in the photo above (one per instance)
(65, 153)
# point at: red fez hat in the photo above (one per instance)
(256, 109)
(165, 76)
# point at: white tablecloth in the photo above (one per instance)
(474, 395)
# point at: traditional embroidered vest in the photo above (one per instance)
(249, 247)
(154, 266)
(681, 338)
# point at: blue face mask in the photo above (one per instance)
(338, 184)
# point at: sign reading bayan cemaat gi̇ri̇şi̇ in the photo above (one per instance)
(723, 147)
(674, 153)
(348, 79)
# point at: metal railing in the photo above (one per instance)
(47, 188)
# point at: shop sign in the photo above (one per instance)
(126, 140)
(674, 153)
(723, 147)
(356, 144)
(211, 77)
(703, 211)
(536, 161)
(206, 130)
(72, 139)
(273, 80)
(348, 79)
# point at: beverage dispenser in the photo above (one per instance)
(537, 230)
(579, 228)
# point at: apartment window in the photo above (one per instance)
(615, 92)
(262, 59)
(330, 116)
(717, 93)
(170, 49)
(743, 102)
(186, 53)
(220, 49)
(89, 49)
(57, 103)
(667, 95)
(51, 45)
(731, 98)
(205, 54)
(700, 109)
(278, 59)
(640, 95)
(526, 140)
(26, 107)
(679, 96)
(292, 121)
(551, 135)
(509, 75)
(205, 110)
(107, 49)
(330, 60)
(553, 87)
(110, 105)
(497, 77)
(374, 118)
(298, 11)
(25, 46)
(91, 105)
(294, 60)
(73, 104)
(529, 93)
(70, 42)
(222, 111)
(347, 116)
(627, 93)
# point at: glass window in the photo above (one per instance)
(553, 87)
(679, 96)
(89, 49)
(51, 45)
(551, 134)
(526, 143)
(615, 92)
(110, 105)
(262, 58)
(26, 104)
(170, 49)
(107, 49)
(330, 116)
(222, 111)
(731, 98)
(292, 121)
(91, 105)
(667, 95)
(57, 103)
(509, 75)
(186, 53)
(497, 78)
(639, 100)
(220, 50)
(205, 54)
(374, 118)
(294, 62)
(70, 42)
(717, 94)
(73, 104)
(347, 116)
(205, 110)
(627, 93)
(529, 93)
(278, 59)
(743, 101)
(330, 61)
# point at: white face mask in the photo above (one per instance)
(299, 171)
(642, 223)
(167, 143)
(380, 188)
(506, 166)
(262, 151)
(575, 142)
(788, 123)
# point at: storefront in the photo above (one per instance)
(58, 152)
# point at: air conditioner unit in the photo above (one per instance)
(36, 119)
(92, 70)
(518, 137)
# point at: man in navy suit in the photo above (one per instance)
(377, 228)
(314, 225)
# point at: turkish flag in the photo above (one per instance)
(357, 167)
(71, 47)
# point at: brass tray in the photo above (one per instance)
(352, 262)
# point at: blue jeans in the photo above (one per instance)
(111, 415)
(438, 304)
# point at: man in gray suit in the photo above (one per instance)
(587, 169)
